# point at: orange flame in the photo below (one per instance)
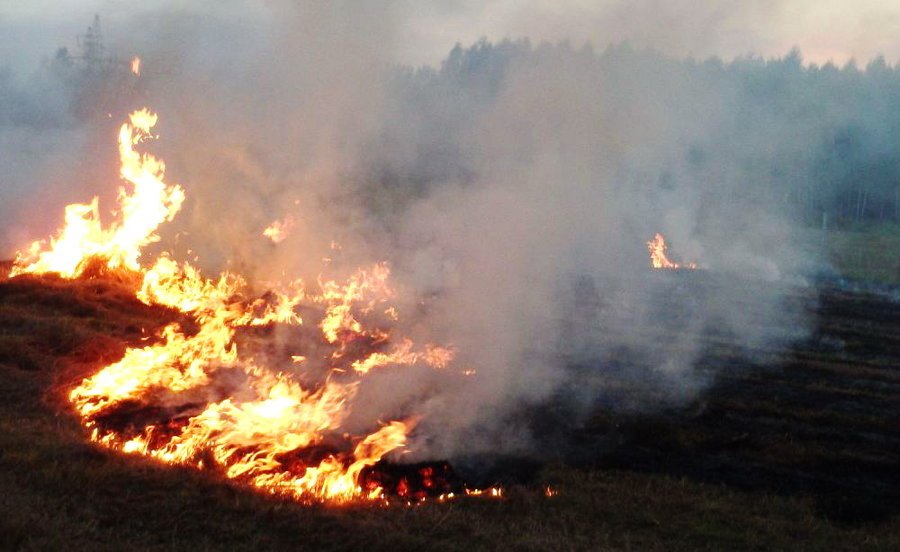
(339, 324)
(434, 356)
(136, 66)
(279, 230)
(257, 433)
(659, 258)
(148, 203)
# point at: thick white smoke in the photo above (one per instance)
(512, 189)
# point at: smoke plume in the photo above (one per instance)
(512, 188)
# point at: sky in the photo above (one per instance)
(425, 30)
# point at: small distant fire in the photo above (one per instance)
(279, 230)
(193, 399)
(659, 257)
(136, 66)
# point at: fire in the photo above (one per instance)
(658, 256)
(339, 324)
(279, 230)
(434, 356)
(147, 202)
(191, 397)
(136, 66)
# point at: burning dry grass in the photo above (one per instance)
(44, 319)
(800, 458)
(188, 397)
(158, 393)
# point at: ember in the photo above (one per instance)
(414, 482)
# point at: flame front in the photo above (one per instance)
(191, 398)
(659, 257)
(144, 204)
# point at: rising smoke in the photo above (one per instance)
(512, 189)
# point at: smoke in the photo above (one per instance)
(535, 241)
(512, 189)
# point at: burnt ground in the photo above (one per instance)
(792, 446)
(819, 417)
(815, 414)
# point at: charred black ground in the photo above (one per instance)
(814, 414)
(820, 417)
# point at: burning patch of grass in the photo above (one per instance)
(738, 471)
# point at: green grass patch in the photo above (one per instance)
(867, 253)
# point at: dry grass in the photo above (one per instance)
(750, 470)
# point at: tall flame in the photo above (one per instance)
(203, 404)
(659, 257)
(145, 203)
(136, 66)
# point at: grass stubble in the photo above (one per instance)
(803, 457)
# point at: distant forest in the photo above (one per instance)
(823, 141)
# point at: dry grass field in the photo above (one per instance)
(797, 450)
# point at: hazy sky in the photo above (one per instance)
(426, 29)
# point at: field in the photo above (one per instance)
(865, 254)
(799, 450)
